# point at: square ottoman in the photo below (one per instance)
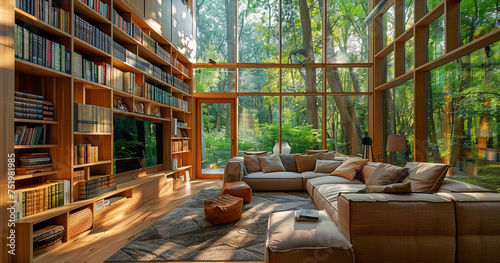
(290, 241)
(239, 189)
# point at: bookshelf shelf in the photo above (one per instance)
(123, 37)
(19, 147)
(181, 138)
(90, 84)
(32, 20)
(91, 164)
(129, 95)
(18, 120)
(138, 115)
(181, 152)
(38, 70)
(176, 90)
(93, 133)
(151, 56)
(84, 10)
(182, 168)
(81, 45)
(125, 67)
(178, 110)
(27, 176)
(183, 127)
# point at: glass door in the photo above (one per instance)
(216, 136)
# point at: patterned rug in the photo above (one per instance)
(185, 235)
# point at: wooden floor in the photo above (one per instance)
(104, 240)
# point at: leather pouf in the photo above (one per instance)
(239, 189)
(223, 209)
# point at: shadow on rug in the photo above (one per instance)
(185, 235)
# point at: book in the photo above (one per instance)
(307, 215)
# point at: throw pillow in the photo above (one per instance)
(328, 156)
(425, 177)
(289, 163)
(271, 163)
(256, 153)
(306, 162)
(252, 163)
(386, 174)
(326, 166)
(349, 168)
(399, 188)
(316, 151)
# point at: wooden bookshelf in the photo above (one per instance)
(63, 90)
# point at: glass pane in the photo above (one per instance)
(347, 123)
(213, 39)
(301, 32)
(431, 4)
(435, 39)
(388, 27)
(258, 31)
(301, 122)
(301, 80)
(347, 34)
(258, 80)
(388, 67)
(409, 55)
(409, 18)
(258, 123)
(463, 119)
(215, 80)
(398, 114)
(347, 79)
(477, 18)
(215, 137)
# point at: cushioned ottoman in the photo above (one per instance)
(290, 241)
(239, 189)
(223, 209)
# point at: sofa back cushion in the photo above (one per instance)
(326, 166)
(328, 155)
(288, 161)
(386, 174)
(316, 151)
(306, 162)
(271, 163)
(252, 163)
(398, 188)
(349, 168)
(425, 177)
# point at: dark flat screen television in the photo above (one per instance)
(137, 144)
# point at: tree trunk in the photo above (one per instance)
(308, 52)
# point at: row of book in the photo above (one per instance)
(121, 23)
(95, 186)
(85, 153)
(37, 8)
(180, 145)
(180, 85)
(25, 135)
(176, 63)
(38, 198)
(47, 236)
(32, 106)
(90, 118)
(78, 176)
(125, 81)
(179, 103)
(119, 51)
(59, 18)
(92, 35)
(98, 72)
(30, 163)
(98, 6)
(154, 93)
(39, 50)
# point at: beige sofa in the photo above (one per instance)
(458, 223)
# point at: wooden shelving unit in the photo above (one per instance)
(64, 90)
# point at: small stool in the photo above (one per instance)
(223, 209)
(239, 189)
(305, 241)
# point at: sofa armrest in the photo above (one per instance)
(234, 170)
(398, 227)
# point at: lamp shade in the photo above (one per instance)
(396, 143)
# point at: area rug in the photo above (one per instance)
(185, 235)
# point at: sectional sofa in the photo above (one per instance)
(444, 221)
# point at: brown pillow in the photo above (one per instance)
(328, 156)
(399, 188)
(289, 163)
(256, 153)
(386, 174)
(425, 177)
(252, 163)
(306, 162)
(326, 166)
(271, 163)
(316, 151)
(349, 168)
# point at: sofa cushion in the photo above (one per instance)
(252, 163)
(331, 191)
(312, 174)
(398, 188)
(454, 186)
(271, 163)
(306, 162)
(328, 156)
(386, 174)
(275, 175)
(368, 170)
(289, 163)
(349, 168)
(425, 177)
(326, 166)
(316, 151)
(315, 182)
